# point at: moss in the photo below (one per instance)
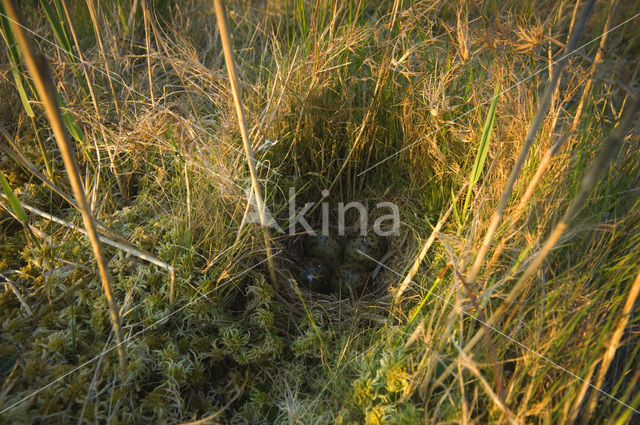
(33, 369)
(340, 89)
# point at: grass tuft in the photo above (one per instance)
(514, 169)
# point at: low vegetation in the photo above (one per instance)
(426, 105)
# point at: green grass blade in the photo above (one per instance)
(456, 214)
(14, 61)
(16, 206)
(301, 17)
(57, 25)
(416, 313)
(121, 16)
(70, 122)
(22, 92)
(5, 28)
(483, 149)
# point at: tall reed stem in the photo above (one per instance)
(40, 73)
(225, 36)
(528, 141)
(589, 180)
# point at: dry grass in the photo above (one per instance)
(375, 102)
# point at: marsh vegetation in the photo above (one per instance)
(504, 132)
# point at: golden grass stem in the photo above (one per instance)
(597, 61)
(588, 181)
(147, 42)
(557, 147)
(541, 112)
(607, 358)
(423, 253)
(497, 399)
(79, 54)
(571, 415)
(603, 157)
(96, 27)
(542, 168)
(225, 36)
(83, 63)
(39, 70)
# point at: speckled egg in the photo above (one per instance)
(314, 274)
(371, 245)
(325, 247)
(349, 279)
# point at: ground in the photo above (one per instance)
(424, 105)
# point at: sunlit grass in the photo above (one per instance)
(441, 95)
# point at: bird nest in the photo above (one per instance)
(369, 304)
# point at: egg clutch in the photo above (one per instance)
(341, 267)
